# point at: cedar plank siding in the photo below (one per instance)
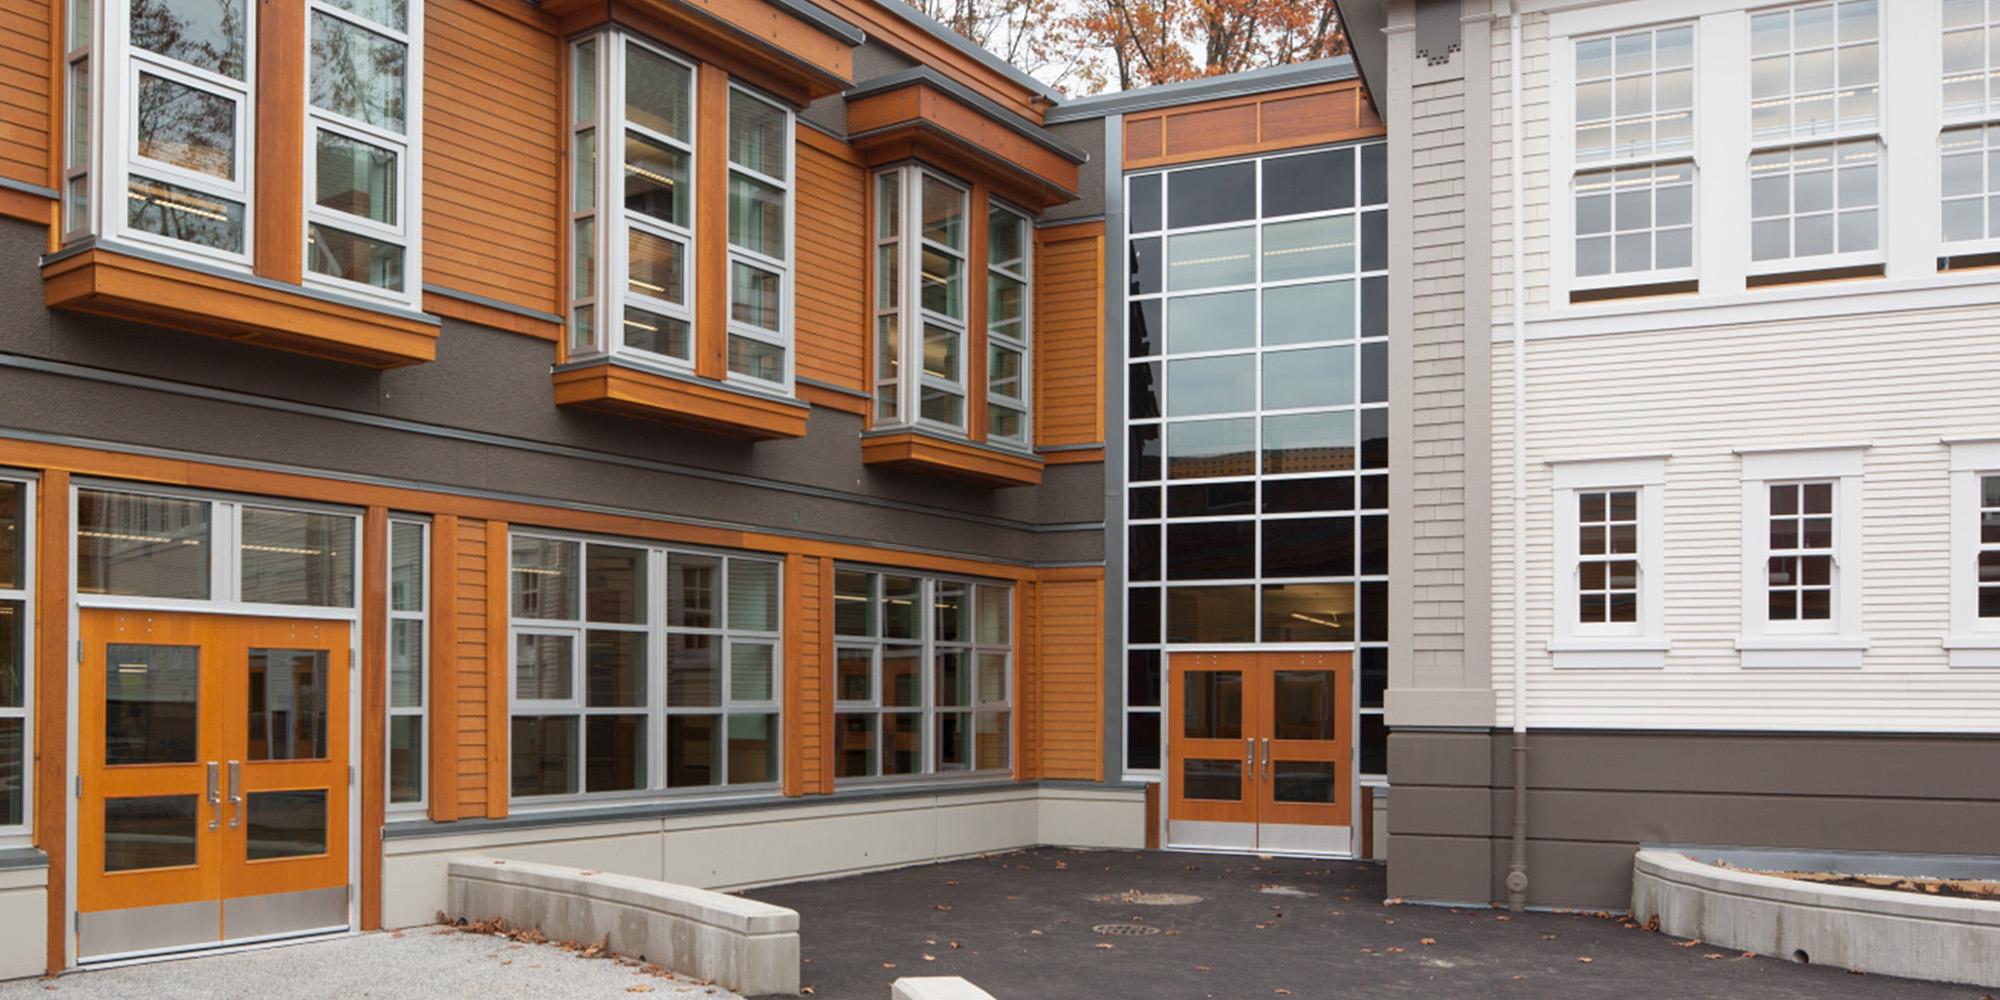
(493, 95)
(471, 605)
(831, 319)
(1027, 685)
(25, 102)
(1069, 695)
(808, 678)
(1069, 315)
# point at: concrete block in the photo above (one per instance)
(936, 988)
(24, 912)
(742, 944)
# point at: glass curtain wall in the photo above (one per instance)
(1257, 421)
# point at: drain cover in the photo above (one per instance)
(1125, 930)
(1138, 898)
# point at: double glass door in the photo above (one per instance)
(1260, 754)
(213, 761)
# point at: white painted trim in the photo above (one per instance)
(1838, 641)
(1641, 644)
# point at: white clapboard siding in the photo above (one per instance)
(1535, 180)
(1899, 382)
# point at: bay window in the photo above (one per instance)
(357, 217)
(922, 675)
(635, 668)
(920, 297)
(1008, 260)
(760, 154)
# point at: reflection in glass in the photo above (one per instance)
(953, 679)
(943, 213)
(1206, 196)
(752, 666)
(1218, 322)
(902, 677)
(284, 824)
(1312, 182)
(757, 135)
(992, 614)
(1226, 384)
(854, 674)
(189, 128)
(656, 267)
(544, 667)
(1302, 781)
(614, 753)
(753, 749)
(1212, 705)
(154, 831)
(288, 704)
(652, 332)
(757, 216)
(902, 743)
(151, 704)
(205, 33)
(954, 737)
(1212, 499)
(1142, 206)
(1318, 376)
(544, 571)
(1309, 612)
(694, 675)
(295, 557)
(614, 581)
(387, 13)
(853, 603)
(357, 73)
(614, 669)
(1302, 705)
(656, 180)
(354, 177)
(694, 751)
(1299, 314)
(854, 746)
(954, 612)
(1212, 780)
(1309, 442)
(1309, 248)
(990, 741)
(406, 758)
(941, 283)
(13, 535)
(13, 655)
(182, 213)
(693, 591)
(13, 769)
(1211, 614)
(1206, 448)
(900, 599)
(754, 296)
(406, 566)
(544, 754)
(1211, 259)
(656, 92)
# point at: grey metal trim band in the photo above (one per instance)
(68, 370)
(1115, 430)
(18, 858)
(736, 387)
(813, 15)
(1071, 220)
(481, 300)
(1070, 447)
(957, 41)
(26, 188)
(128, 250)
(821, 129)
(829, 386)
(1256, 81)
(1014, 122)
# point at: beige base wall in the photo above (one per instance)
(24, 918)
(736, 850)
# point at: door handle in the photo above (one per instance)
(1250, 756)
(214, 796)
(235, 793)
(1267, 758)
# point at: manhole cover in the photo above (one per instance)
(1138, 898)
(1125, 930)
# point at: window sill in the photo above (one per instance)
(1622, 653)
(1973, 650)
(607, 386)
(194, 299)
(1828, 652)
(983, 465)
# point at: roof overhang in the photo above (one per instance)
(1363, 21)
(920, 113)
(789, 47)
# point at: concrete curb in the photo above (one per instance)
(1869, 930)
(742, 944)
(936, 988)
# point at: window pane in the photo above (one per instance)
(902, 677)
(614, 753)
(287, 704)
(752, 665)
(406, 567)
(753, 595)
(614, 669)
(543, 748)
(753, 749)
(1309, 248)
(544, 571)
(1142, 677)
(388, 13)
(357, 73)
(1321, 376)
(990, 741)
(754, 296)
(942, 283)
(757, 216)
(1142, 740)
(1210, 322)
(943, 213)
(900, 598)
(1309, 612)
(1211, 550)
(1297, 314)
(1211, 259)
(1210, 614)
(1006, 239)
(1313, 546)
(757, 135)
(1226, 384)
(942, 346)
(992, 613)
(355, 177)
(1302, 781)
(291, 557)
(186, 127)
(352, 257)
(205, 33)
(1212, 499)
(13, 659)
(151, 704)
(954, 731)
(154, 831)
(954, 612)
(406, 758)
(1313, 182)
(1142, 213)
(656, 180)
(694, 751)
(992, 678)
(1309, 442)
(692, 591)
(902, 743)
(184, 214)
(1210, 195)
(13, 535)
(657, 334)
(952, 683)
(656, 92)
(854, 747)
(854, 674)
(694, 675)
(853, 603)
(284, 824)
(406, 663)
(614, 584)
(141, 546)
(657, 266)
(544, 667)
(1207, 448)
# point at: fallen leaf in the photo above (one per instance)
(638, 988)
(1585, 959)
(940, 907)
(1427, 940)
(1396, 950)
(1283, 992)
(1062, 865)
(930, 958)
(1713, 956)
(1548, 937)
(1037, 933)
(805, 991)
(1104, 946)
(888, 965)
(1752, 954)
(1689, 943)
(1201, 968)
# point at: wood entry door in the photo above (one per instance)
(1260, 751)
(213, 764)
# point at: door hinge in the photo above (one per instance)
(79, 651)
(350, 776)
(79, 786)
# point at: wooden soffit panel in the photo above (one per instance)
(951, 459)
(776, 45)
(717, 409)
(1257, 123)
(923, 121)
(143, 290)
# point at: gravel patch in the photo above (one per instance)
(422, 963)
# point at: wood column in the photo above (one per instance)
(711, 223)
(498, 607)
(792, 698)
(52, 661)
(975, 313)
(374, 707)
(279, 212)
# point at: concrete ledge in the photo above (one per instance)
(742, 944)
(936, 988)
(1869, 930)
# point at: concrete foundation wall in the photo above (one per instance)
(1594, 797)
(24, 922)
(735, 850)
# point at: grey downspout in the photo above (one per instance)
(1517, 860)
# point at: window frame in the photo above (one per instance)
(408, 147)
(418, 807)
(1983, 120)
(659, 633)
(1024, 344)
(1972, 641)
(1838, 641)
(22, 834)
(1578, 168)
(1641, 643)
(912, 319)
(784, 337)
(928, 646)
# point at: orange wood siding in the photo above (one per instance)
(1069, 690)
(52, 671)
(1069, 324)
(469, 597)
(1302, 116)
(1027, 683)
(493, 93)
(808, 693)
(885, 27)
(831, 318)
(25, 105)
(374, 667)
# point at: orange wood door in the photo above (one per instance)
(1305, 701)
(286, 759)
(1212, 704)
(149, 731)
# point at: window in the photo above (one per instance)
(634, 258)
(1802, 558)
(1815, 122)
(636, 668)
(409, 660)
(194, 550)
(1008, 260)
(923, 675)
(1974, 639)
(1609, 554)
(186, 87)
(357, 218)
(17, 562)
(1634, 148)
(1256, 408)
(1970, 147)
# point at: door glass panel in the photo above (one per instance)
(1214, 705)
(1214, 780)
(141, 546)
(1302, 781)
(285, 824)
(156, 831)
(287, 704)
(1302, 708)
(151, 704)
